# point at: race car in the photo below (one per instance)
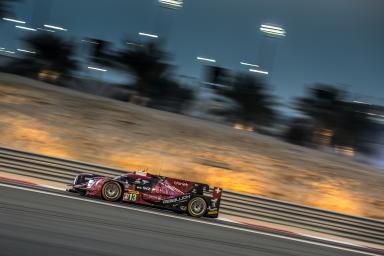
(195, 199)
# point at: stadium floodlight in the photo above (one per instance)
(249, 64)
(25, 28)
(173, 4)
(148, 35)
(26, 51)
(205, 59)
(98, 69)
(273, 30)
(55, 27)
(15, 21)
(259, 71)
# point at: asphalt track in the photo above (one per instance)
(45, 224)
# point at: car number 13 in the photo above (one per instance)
(131, 197)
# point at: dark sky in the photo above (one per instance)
(329, 41)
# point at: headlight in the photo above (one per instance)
(90, 183)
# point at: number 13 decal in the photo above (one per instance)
(132, 197)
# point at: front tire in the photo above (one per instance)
(197, 207)
(111, 191)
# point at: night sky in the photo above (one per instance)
(330, 41)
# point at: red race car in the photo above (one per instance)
(196, 199)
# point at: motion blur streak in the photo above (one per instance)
(248, 64)
(26, 51)
(15, 21)
(148, 35)
(56, 27)
(98, 69)
(206, 59)
(26, 28)
(259, 71)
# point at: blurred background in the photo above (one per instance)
(267, 75)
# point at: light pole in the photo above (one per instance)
(42, 12)
(271, 34)
(165, 15)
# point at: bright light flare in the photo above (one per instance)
(98, 69)
(361, 102)
(26, 51)
(172, 3)
(205, 59)
(249, 64)
(273, 30)
(15, 21)
(26, 28)
(259, 71)
(55, 27)
(3, 50)
(148, 35)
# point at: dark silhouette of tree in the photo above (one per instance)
(147, 63)
(101, 52)
(52, 54)
(335, 120)
(153, 77)
(323, 104)
(255, 104)
(5, 8)
(167, 94)
(299, 132)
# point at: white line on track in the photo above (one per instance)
(191, 220)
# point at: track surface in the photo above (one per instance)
(40, 224)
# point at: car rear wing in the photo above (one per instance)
(213, 199)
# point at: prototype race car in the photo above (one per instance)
(193, 198)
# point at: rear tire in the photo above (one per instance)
(111, 191)
(197, 207)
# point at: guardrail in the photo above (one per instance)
(234, 204)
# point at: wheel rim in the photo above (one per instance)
(198, 207)
(111, 191)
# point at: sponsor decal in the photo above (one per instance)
(144, 188)
(213, 203)
(177, 199)
(180, 183)
(130, 191)
(130, 197)
(213, 212)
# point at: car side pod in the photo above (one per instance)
(214, 203)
